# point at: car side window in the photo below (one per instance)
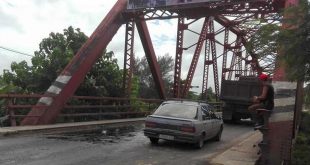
(213, 116)
(205, 113)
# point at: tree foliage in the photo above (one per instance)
(264, 42)
(54, 53)
(291, 42)
(295, 41)
(146, 82)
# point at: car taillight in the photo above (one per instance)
(188, 129)
(150, 124)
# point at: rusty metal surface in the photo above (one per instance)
(151, 57)
(214, 60)
(196, 56)
(207, 64)
(98, 107)
(128, 57)
(177, 86)
(225, 51)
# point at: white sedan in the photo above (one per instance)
(184, 121)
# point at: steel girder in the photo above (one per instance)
(178, 58)
(210, 8)
(151, 56)
(230, 14)
(71, 77)
(226, 47)
(214, 59)
(128, 57)
(196, 56)
(207, 63)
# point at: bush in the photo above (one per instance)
(301, 149)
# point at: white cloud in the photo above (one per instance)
(23, 24)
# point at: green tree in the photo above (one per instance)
(291, 42)
(210, 97)
(104, 79)
(146, 82)
(265, 42)
(295, 40)
(54, 53)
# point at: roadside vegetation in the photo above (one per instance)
(301, 149)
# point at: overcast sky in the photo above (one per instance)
(23, 24)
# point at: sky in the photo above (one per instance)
(23, 25)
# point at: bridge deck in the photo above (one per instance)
(240, 152)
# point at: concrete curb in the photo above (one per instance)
(242, 153)
(66, 127)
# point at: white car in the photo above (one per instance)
(184, 121)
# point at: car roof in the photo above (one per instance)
(185, 102)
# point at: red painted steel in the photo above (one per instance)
(128, 57)
(151, 57)
(196, 56)
(178, 58)
(82, 62)
(214, 60)
(239, 12)
(226, 47)
(207, 63)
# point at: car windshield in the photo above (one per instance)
(177, 110)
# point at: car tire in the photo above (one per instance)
(154, 140)
(200, 143)
(219, 134)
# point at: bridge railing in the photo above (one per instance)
(79, 108)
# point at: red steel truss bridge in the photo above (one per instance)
(226, 27)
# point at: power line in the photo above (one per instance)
(15, 51)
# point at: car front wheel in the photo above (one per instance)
(154, 140)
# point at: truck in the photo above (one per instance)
(237, 97)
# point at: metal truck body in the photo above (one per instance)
(237, 97)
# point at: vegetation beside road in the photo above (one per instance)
(301, 149)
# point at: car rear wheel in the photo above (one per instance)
(219, 135)
(154, 140)
(200, 143)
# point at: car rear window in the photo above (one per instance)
(177, 110)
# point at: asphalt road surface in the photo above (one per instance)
(112, 146)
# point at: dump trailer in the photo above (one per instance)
(237, 97)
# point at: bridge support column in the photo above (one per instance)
(276, 146)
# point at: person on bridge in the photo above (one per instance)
(264, 101)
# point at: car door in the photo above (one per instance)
(207, 122)
(216, 123)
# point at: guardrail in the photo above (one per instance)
(79, 108)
